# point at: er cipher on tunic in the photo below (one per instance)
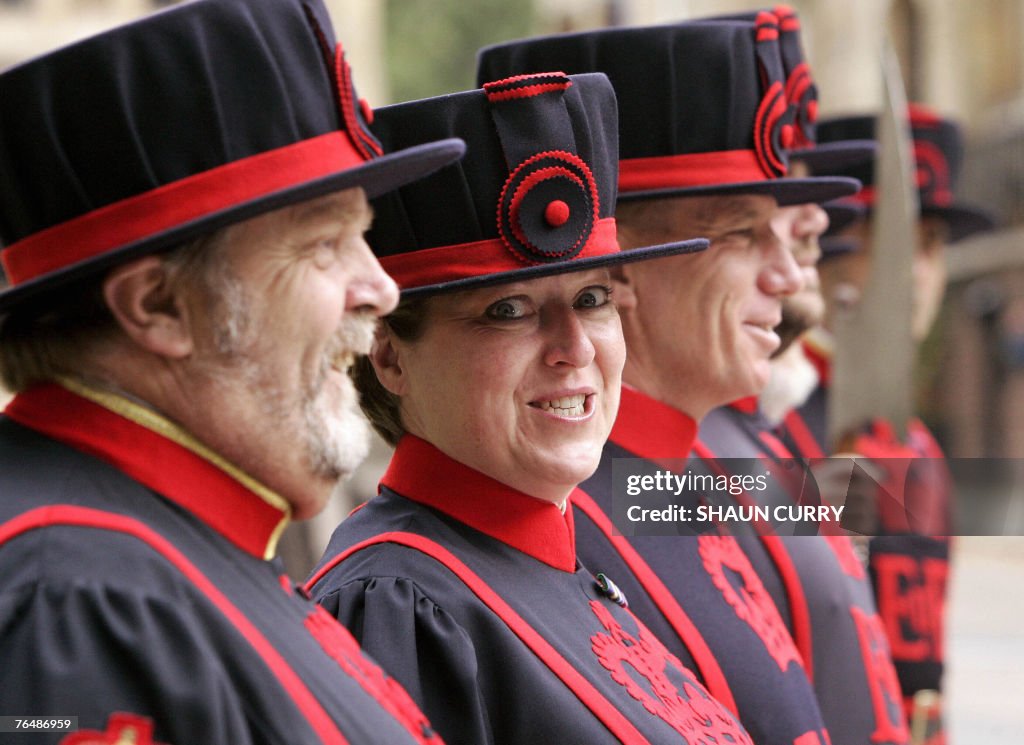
(850, 660)
(699, 593)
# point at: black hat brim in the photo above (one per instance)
(829, 157)
(376, 177)
(562, 267)
(787, 191)
(963, 220)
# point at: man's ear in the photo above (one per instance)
(148, 309)
(624, 286)
(387, 362)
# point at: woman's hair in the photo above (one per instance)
(381, 406)
(50, 337)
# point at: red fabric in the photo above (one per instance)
(689, 170)
(801, 434)
(616, 723)
(121, 728)
(175, 204)
(685, 629)
(822, 362)
(651, 429)
(422, 473)
(449, 263)
(748, 405)
(164, 466)
(85, 517)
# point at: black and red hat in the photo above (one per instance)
(802, 95)
(534, 196)
(202, 115)
(938, 158)
(702, 105)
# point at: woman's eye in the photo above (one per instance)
(594, 297)
(507, 309)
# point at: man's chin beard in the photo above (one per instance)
(335, 443)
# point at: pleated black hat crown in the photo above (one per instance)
(938, 152)
(187, 120)
(534, 196)
(702, 105)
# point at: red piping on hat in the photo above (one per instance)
(178, 203)
(466, 260)
(526, 86)
(689, 170)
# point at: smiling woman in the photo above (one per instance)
(498, 380)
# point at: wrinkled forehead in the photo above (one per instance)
(697, 215)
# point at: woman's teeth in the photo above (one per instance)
(565, 406)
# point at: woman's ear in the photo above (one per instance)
(148, 309)
(386, 359)
(623, 287)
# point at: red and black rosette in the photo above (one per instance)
(773, 127)
(548, 208)
(932, 174)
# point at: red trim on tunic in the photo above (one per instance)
(173, 471)
(748, 405)
(651, 429)
(801, 434)
(84, 517)
(589, 696)
(466, 260)
(685, 629)
(689, 170)
(420, 472)
(821, 360)
(178, 203)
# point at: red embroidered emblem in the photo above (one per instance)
(911, 602)
(690, 712)
(122, 729)
(726, 563)
(342, 647)
(890, 724)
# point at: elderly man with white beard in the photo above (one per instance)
(182, 208)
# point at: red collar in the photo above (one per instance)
(748, 405)
(652, 429)
(422, 473)
(821, 358)
(160, 455)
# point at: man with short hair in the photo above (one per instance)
(182, 208)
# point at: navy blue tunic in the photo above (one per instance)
(909, 572)
(700, 594)
(135, 592)
(850, 659)
(469, 593)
